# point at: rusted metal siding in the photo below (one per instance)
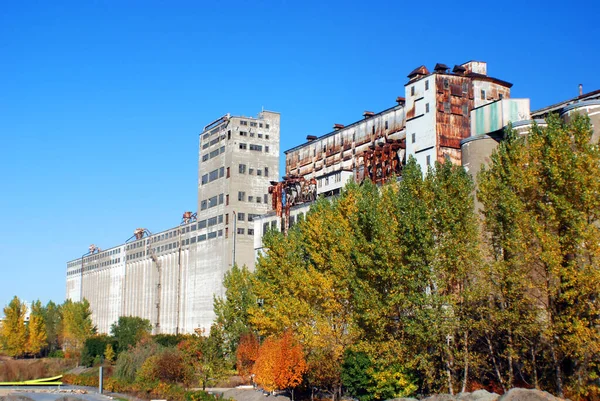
(454, 95)
(341, 147)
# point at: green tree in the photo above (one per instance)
(128, 330)
(52, 318)
(205, 355)
(232, 310)
(547, 231)
(13, 332)
(36, 333)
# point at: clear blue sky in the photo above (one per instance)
(101, 102)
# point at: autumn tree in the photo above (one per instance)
(77, 325)
(280, 363)
(13, 332)
(246, 354)
(109, 354)
(205, 355)
(36, 330)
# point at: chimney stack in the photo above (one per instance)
(368, 114)
(337, 127)
(580, 90)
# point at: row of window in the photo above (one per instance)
(337, 177)
(213, 175)
(242, 216)
(242, 168)
(214, 153)
(254, 124)
(212, 202)
(214, 131)
(257, 148)
(252, 134)
(251, 198)
(95, 257)
(213, 141)
(241, 231)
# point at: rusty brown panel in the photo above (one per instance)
(454, 155)
(410, 113)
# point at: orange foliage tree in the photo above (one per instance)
(280, 363)
(246, 354)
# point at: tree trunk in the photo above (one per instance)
(558, 372)
(534, 365)
(511, 371)
(466, 362)
(498, 374)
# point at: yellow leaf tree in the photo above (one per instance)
(36, 336)
(13, 333)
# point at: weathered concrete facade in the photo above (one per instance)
(171, 277)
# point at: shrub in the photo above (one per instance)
(130, 361)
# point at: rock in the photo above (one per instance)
(522, 394)
(403, 399)
(478, 395)
(441, 397)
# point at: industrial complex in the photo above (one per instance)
(171, 277)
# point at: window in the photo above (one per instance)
(428, 160)
(205, 157)
(241, 196)
(260, 135)
(242, 169)
(212, 235)
(250, 198)
(266, 171)
(240, 230)
(243, 133)
(221, 172)
(482, 94)
(267, 136)
(266, 149)
(446, 107)
(227, 200)
(465, 87)
(251, 134)
(465, 109)
(412, 90)
(243, 122)
(265, 228)
(258, 199)
(446, 83)
(220, 218)
(204, 179)
(226, 218)
(260, 125)
(501, 96)
(241, 217)
(267, 127)
(201, 238)
(426, 85)
(212, 202)
(251, 171)
(221, 196)
(426, 107)
(251, 216)
(413, 137)
(212, 221)
(266, 198)
(203, 205)
(202, 224)
(259, 172)
(257, 148)
(220, 233)
(252, 124)
(273, 225)
(250, 231)
(243, 146)
(386, 124)
(228, 172)
(226, 232)
(213, 175)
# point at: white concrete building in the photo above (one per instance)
(171, 277)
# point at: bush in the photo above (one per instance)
(130, 361)
(57, 354)
(169, 340)
(81, 380)
(94, 348)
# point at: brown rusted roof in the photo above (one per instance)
(422, 70)
(488, 78)
(459, 69)
(439, 67)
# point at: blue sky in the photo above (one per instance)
(101, 102)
